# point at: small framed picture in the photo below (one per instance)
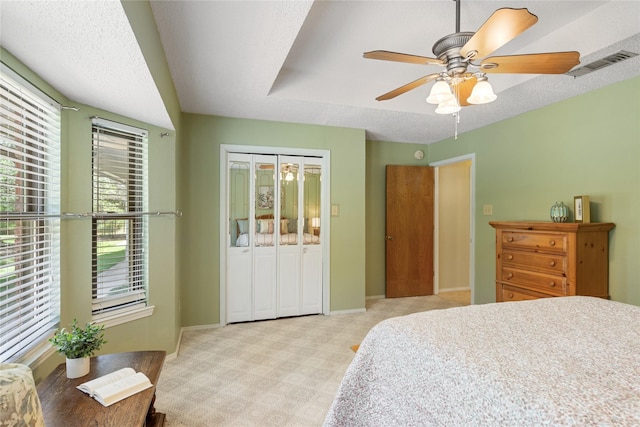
(265, 197)
(581, 210)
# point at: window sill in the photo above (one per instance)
(119, 318)
(37, 355)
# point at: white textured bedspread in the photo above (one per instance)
(553, 361)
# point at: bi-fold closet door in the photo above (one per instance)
(274, 248)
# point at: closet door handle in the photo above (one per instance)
(389, 237)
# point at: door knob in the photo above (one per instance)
(389, 237)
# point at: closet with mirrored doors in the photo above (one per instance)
(274, 253)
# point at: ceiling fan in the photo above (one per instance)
(458, 85)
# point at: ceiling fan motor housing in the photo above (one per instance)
(448, 48)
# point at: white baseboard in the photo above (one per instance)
(189, 328)
(375, 297)
(355, 310)
(454, 289)
(199, 327)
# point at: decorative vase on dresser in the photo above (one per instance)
(549, 259)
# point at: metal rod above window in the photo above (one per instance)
(31, 215)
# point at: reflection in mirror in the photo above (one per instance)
(265, 196)
(312, 179)
(239, 203)
(289, 203)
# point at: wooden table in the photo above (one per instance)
(65, 406)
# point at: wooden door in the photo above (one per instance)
(409, 231)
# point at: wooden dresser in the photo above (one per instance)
(548, 259)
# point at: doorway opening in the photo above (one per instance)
(454, 225)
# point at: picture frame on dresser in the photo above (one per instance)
(581, 209)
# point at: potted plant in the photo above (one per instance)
(78, 345)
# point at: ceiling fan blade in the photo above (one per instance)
(501, 27)
(462, 91)
(385, 55)
(406, 88)
(535, 63)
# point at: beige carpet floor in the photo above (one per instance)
(282, 372)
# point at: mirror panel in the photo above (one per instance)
(239, 203)
(265, 196)
(312, 211)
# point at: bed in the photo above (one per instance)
(265, 232)
(553, 361)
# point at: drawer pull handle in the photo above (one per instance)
(552, 284)
(509, 276)
(552, 263)
(510, 295)
(552, 243)
(510, 256)
(510, 239)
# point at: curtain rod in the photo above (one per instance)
(29, 215)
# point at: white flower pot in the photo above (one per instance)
(77, 368)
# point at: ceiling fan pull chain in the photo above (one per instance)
(456, 117)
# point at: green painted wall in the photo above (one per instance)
(380, 154)
(202, 138)
(144, 27)
(590, 145)
(157, 331)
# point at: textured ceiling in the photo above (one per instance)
(87, 51)
(302, 61)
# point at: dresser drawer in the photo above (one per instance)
(549, 242)
(511, 293)
(555, 264)
(548, 283)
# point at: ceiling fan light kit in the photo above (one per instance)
(440, 92)
(456, 86)
(448, 107)
(482, 92)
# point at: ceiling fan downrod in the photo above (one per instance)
(448, 48)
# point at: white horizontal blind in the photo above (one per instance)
(29, 216)
(119, 233)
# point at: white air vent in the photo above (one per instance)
(601, 63)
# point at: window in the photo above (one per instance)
(119, 226)
(29, 216)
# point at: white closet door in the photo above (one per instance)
(239, 291)
(289, 281)
(239, 288)
(311, 283)
(265, 240)
(311, 279)
(274, 242)
(264, 279)
(290, 246)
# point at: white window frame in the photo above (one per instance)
(30, 150)
(133, 304)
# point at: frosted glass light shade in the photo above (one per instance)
(482, 93)
(448, 107)
(440, 92)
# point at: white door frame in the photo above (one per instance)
(325, 224)
(472, 204)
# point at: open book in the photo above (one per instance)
(111, 388)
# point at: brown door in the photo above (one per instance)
(409, 247)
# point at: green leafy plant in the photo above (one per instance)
(79, 342)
